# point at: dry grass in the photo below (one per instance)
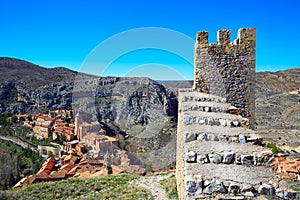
(107, 187)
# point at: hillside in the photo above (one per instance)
(142, 108)
(139, 107)
(15, 70)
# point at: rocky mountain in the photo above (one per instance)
(139, 107)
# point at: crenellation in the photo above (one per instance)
(223, 37)
(202, 38)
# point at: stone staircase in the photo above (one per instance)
(217, 155)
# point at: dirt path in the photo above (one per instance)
(151, 183)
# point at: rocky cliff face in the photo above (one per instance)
(139, 107)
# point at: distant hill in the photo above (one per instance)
(14, 70)
(270, 83)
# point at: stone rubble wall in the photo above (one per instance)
(217, 154)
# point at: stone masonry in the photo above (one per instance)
(227, 69)
(218, 155)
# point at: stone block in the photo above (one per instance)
(228, 157)
(212, 137)
(190, 156)
(249, 194)
(290, 194)
(247, 160)
(210, 121)
(247, 188)
(234, 188)
(279, 193)
(238, 159)
(188, 119)
(242, 139)
(202, 159)
(266, 189)
(215, 185)
(190, 137)
(215, 158)
(202, 137)
(223, 122)
(194, 185)
(200, 120)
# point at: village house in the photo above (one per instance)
(287, 168)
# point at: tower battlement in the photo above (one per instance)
(245, 35)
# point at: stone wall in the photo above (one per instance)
(218, 155)
(227, 69)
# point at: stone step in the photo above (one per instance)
(213, 119)
(252, 175)
(187, 95)
(227, 153)
(207, 147)
(206, 106)
(214, 115)
(226, 134)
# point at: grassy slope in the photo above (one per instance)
(107, 187)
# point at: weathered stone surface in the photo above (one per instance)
(290, 194)
(200, 120)
(190, 156)
(190, 137)
(187, 119)
(215, 158)
(202, 159)
(247, 188)
(242, 139)
(279, 193)
(249, 194)
(234, 188)
(215, 185)
(228, 158)
(238, 159)
(247, 160)
(266, 189)
(194, 185)
(212, 137)
(202, 136)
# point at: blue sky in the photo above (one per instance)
(64, 33)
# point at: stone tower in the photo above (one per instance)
(217, 155)
(227, 69)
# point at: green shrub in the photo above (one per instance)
(273, 147)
